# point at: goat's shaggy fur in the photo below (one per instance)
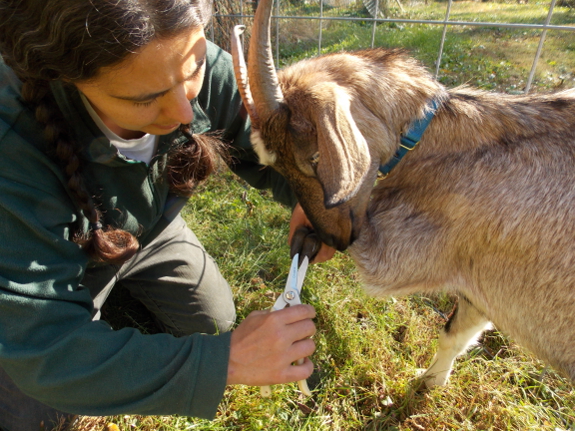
(483, 207)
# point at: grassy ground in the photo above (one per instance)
(486, 57)
(370, 351)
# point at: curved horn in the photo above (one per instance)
(241, 73)
(261, 70)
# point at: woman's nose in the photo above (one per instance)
(178, 107)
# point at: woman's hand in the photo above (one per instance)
(299, 219)
(265, 344)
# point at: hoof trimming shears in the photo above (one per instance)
(289, 297)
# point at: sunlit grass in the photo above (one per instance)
(370, 351)
(487, 57)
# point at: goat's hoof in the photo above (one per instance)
(419, 384)
(431, 379)
(419, 372)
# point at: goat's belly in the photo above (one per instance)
(393, 268)
(533, 303)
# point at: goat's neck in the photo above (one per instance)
(388, 108)
(470, 118)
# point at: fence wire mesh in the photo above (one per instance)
(232, 12)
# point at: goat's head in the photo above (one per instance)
(303, 127)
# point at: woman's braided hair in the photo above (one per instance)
(71, 40)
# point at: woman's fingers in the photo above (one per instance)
(294, 372)
(264, 346)
(296, 313)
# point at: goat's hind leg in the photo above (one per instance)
(465, 325)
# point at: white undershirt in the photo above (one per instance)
(141, 149)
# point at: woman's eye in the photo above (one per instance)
(144, 104)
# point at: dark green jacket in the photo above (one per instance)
(49, 344)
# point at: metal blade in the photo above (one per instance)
(301, 273)
(290, 295)
(291, 283)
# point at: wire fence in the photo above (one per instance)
(245, 12)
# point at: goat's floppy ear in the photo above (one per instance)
(344, 158)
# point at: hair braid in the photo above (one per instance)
(102, 245)
(192, 162)
(73, 45)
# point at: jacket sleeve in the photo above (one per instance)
(222, 103)
(49, 344)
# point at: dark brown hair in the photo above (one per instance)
(71, 40)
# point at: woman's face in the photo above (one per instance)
(150, 91)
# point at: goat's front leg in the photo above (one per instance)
(464, 326)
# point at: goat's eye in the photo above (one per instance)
(314, 160)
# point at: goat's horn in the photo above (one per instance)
(241, 73)
(261, 70)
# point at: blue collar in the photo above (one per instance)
(409, 139)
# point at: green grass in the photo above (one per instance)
(369, 351)
(486, 57)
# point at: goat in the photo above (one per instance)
(483, 207)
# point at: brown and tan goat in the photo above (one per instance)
(483, 207)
